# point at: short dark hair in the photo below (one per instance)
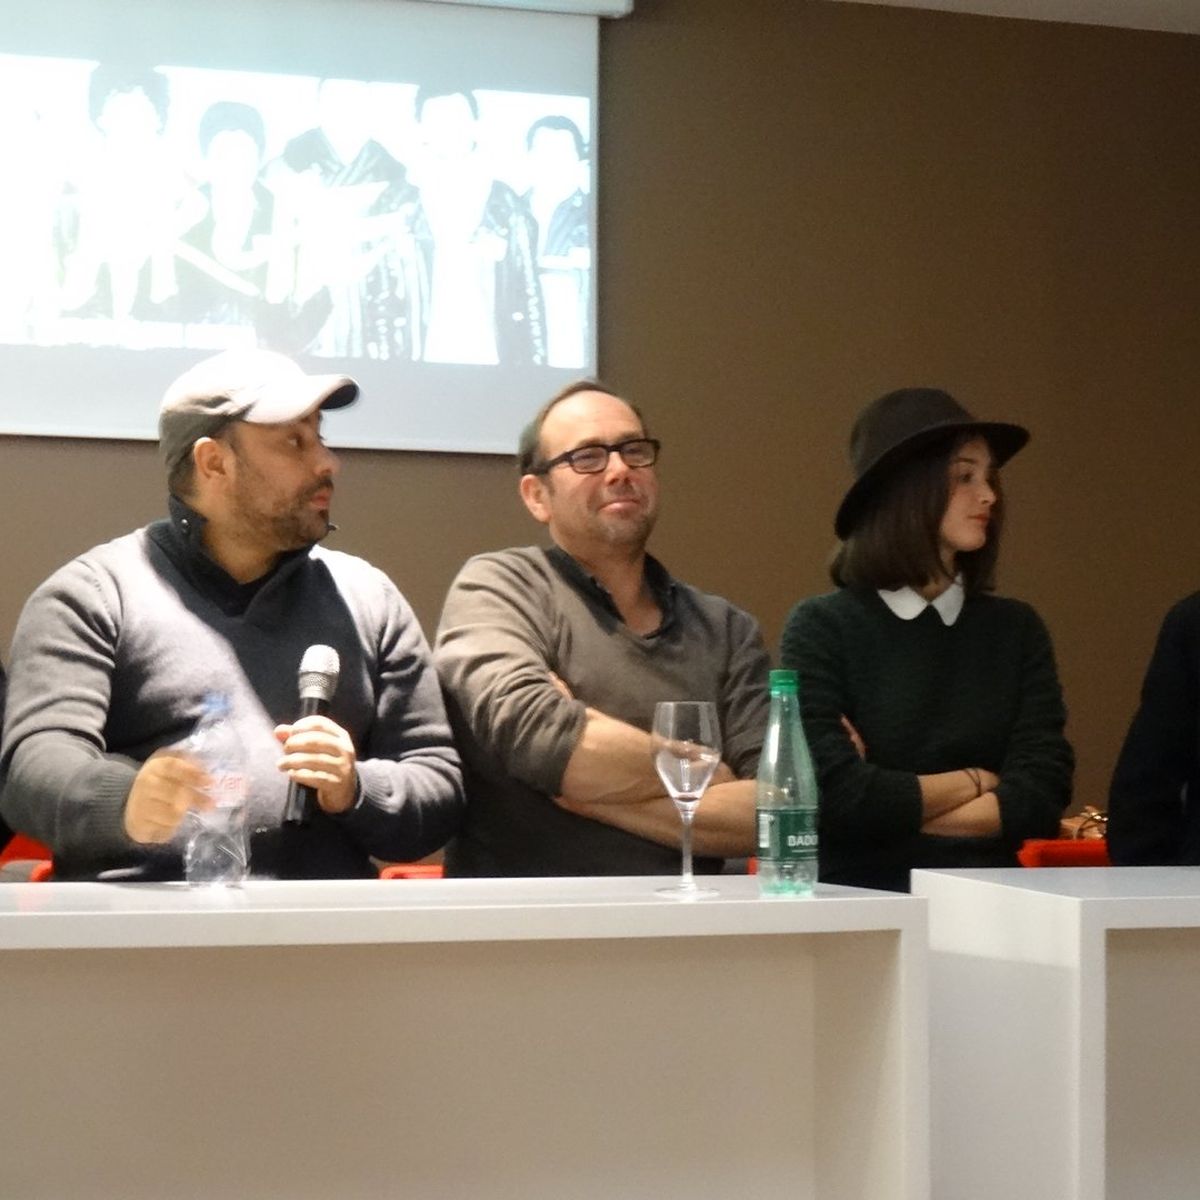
(529, 448)
(425, 94)
(181, 479)
(110, 80)
(894, 542)
(559, 125)
(227, 116)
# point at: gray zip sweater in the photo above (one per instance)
(114, 653)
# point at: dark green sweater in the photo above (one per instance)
(926, 698)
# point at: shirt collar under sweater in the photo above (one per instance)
(661, 585)
(181, 537)
(908, 604)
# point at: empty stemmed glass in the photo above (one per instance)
(686, 744)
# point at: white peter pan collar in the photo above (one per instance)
(908, 604)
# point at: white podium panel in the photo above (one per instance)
(447, 1039)
(1065, 1056)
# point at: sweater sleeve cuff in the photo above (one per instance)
(361, 796)
(872, 804)
(893, 808)
(397, 819)
(1020, 819)
(109, 787)
(547, 770)
(903, 813)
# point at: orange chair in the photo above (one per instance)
(412, 871)
(1064, 852)
(32, 856)
(21, 848)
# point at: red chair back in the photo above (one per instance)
(1064, 852)
(21, 847)
(412, 871)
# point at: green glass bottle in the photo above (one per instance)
(786, 797)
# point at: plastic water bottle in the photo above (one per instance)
(217, 850)
(786, 798)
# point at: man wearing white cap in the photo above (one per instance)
(115, 653)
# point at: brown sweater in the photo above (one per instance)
(514, 617)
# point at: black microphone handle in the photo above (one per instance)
(301, 798)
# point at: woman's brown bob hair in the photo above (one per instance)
(895, 541)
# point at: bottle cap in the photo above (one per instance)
(215, 704)
(784, 681)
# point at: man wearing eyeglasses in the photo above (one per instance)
(552, 660)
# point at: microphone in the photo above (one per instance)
(318, 681)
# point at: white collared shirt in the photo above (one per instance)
(908, 604)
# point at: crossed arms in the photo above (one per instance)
(610, 778)
(498, 653)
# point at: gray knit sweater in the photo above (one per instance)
(112, 658)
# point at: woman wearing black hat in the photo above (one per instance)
(933, 709)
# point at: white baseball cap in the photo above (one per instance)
(259, 386)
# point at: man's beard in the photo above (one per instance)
(631, 532)
(298, 528)
(292, 528)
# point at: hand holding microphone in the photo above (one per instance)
(318, 756)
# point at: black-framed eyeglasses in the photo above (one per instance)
(591, 460)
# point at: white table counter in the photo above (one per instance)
(461, 1038)
(88, 915)
(1065, 1033)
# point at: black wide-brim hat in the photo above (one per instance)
(901, 424)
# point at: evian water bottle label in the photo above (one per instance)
(228, 789)
(787, 833)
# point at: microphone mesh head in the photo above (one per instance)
(319, 670)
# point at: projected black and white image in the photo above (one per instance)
(178, 207)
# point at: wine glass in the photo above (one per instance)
(686, 744)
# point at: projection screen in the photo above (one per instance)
(399, 190)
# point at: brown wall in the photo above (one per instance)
(804, 205)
